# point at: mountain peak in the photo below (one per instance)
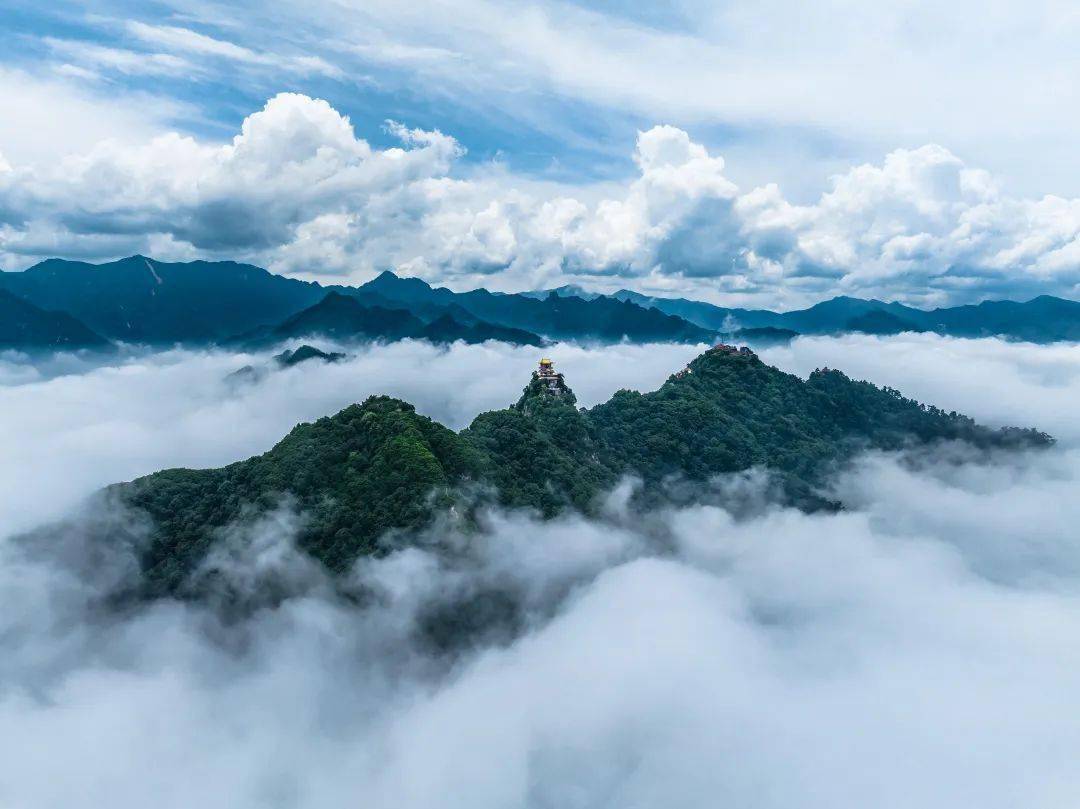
(546, 386)
(390, 278)
(379, 466)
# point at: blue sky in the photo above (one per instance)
(526, 110)
(525, 123)
(530, 129)
(548, 99)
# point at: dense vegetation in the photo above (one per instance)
(380, 466)
(370, 468)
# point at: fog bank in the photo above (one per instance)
(916, 650)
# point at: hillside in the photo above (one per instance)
(28, 327)
(348, 318)
(142, 300)
(305, 353)
(447, 329)
(380, 466)
(138, 299)
(368, 469)
(1041, 320)
(554, 316)
(345, 318)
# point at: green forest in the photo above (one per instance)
(380, 466)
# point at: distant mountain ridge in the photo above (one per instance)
(142, 300)
(1040, 320)
(25, 326)
(553, 316)
(348, 318)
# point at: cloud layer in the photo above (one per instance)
(915, 649)
(298, 191)
(70, 429)
(786, 87)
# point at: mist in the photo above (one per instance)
(73, 427)
(917, 649)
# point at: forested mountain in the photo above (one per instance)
(345, 318)
(251, 374)
(704, 314)
(379, 466)
(141, 300)
(448, 329)
(305, 353)
(553, 316)
(25, 326)
(1040, 320)
(348, 318)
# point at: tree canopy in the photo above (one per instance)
(379, 466)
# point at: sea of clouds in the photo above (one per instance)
(917, 649)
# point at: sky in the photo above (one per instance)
(750, 153)
(916, 648)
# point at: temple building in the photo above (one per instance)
(724, 348)
(549, 376)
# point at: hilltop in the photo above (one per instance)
(380, 467)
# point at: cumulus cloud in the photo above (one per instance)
(294, 158)
(298, 191)
(914, 649)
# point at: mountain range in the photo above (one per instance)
(1042, 319)
(26, 326)
(60, 304)
(345, 317)
(380, 469)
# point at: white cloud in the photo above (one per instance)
(294, 160)
(837, 82)
(298, 191)
(793, 93)
(916, 649)
(91, 58)
(184, 40)
(80, 428)
(46, 118)
(995, 381)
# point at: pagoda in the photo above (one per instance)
(551, 378)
